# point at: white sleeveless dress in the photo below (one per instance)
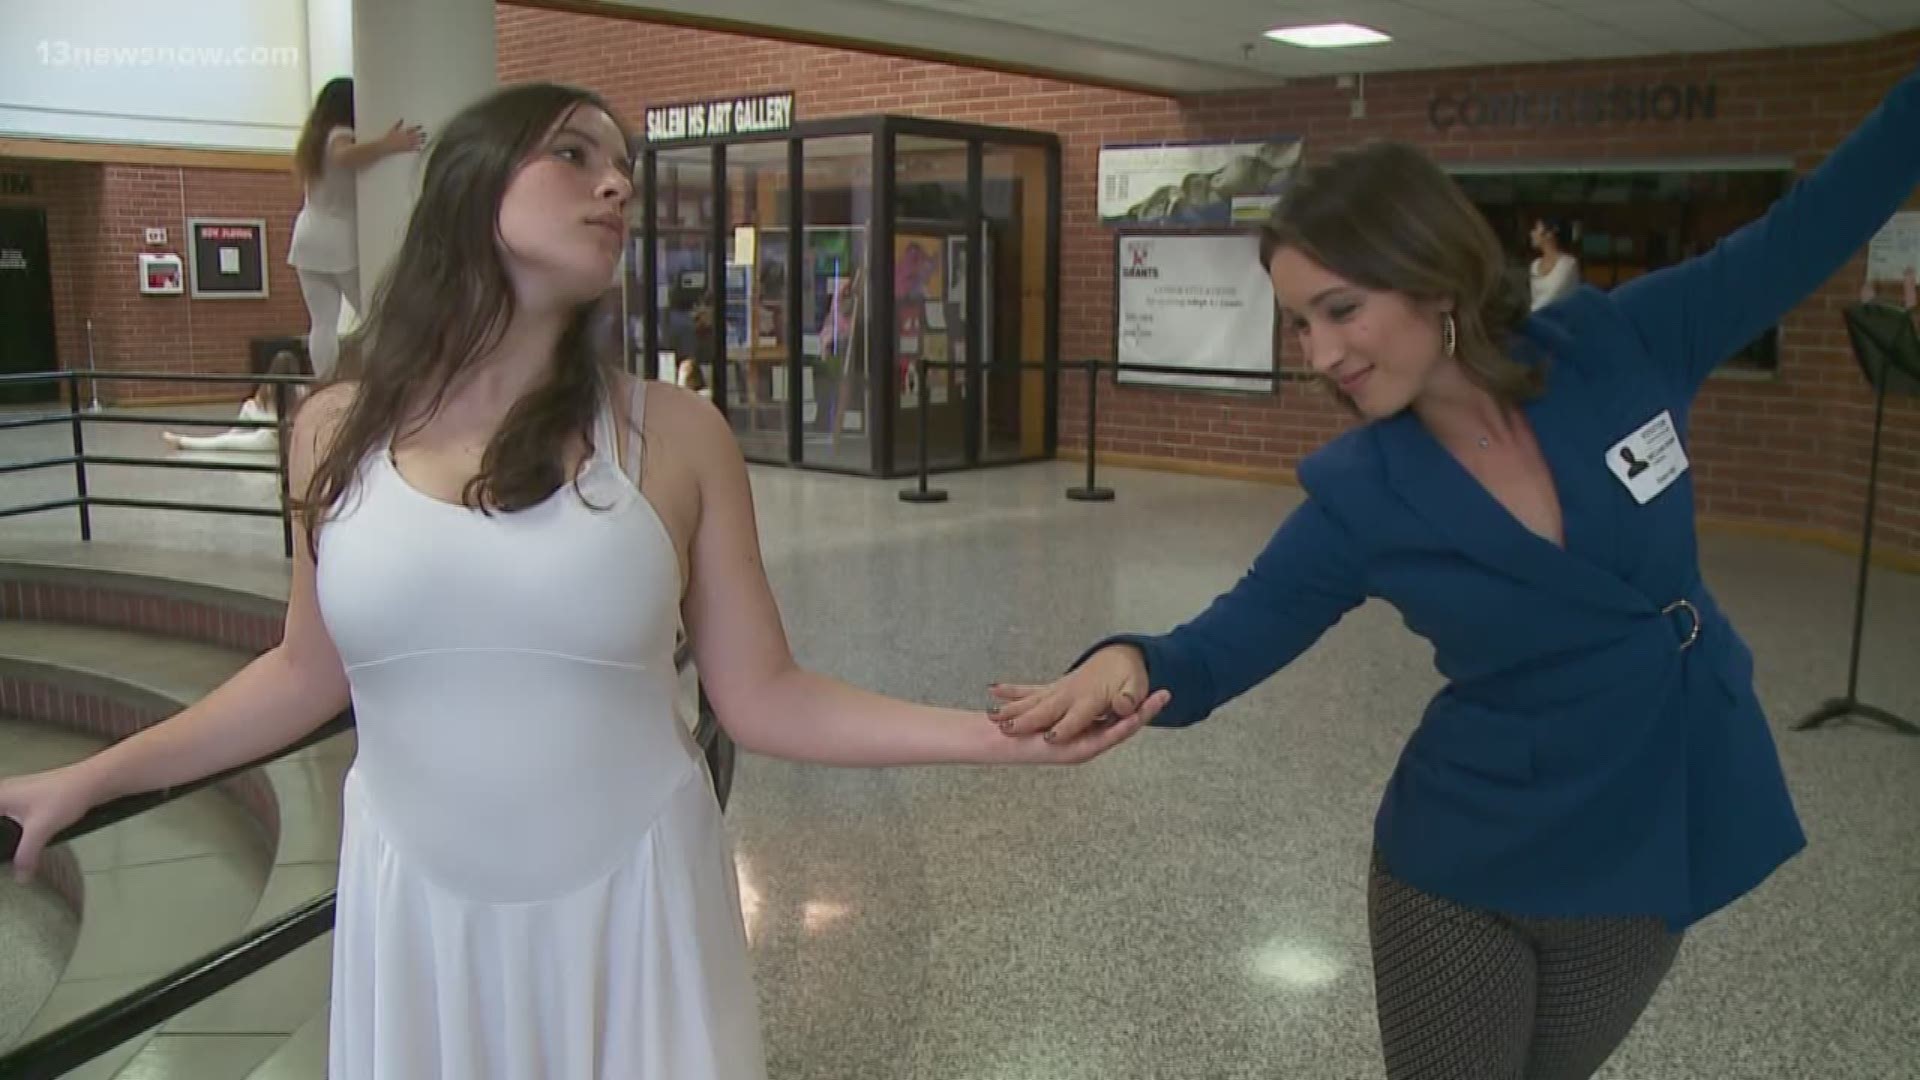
(534, 883)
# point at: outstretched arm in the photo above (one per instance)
(1305, 580)
(767, 702)
(344, 151)
(1701, 311)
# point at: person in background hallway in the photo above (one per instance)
(258, 406)
(1597, 775)
(500, 535)
(324, 251)
(691, 378)
(1556, 273)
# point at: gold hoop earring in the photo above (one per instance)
(1449, 334)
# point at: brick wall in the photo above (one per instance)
(179, 333)
(97, 219)
(1786, 452)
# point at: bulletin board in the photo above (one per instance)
(227, 258)
(1196, 299)
(1894, 251)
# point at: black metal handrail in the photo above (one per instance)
(55, 419)
(81, 1040)
(107, 459)
(29, 378)
(118, 810)
(85, 502)
(72, 1045)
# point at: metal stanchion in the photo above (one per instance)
(1091, 492)
(920, 492)
(93, 384)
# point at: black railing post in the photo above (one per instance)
(718, 749)
(76, 417)
(1091, 492)
(79, 456)
(920, 493)
(280, 451)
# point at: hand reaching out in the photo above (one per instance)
(402, 137)
(1106, 692)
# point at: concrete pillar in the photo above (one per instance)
(420, 61)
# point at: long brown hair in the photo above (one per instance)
(332, 108)
(446, 300)
(1384, 216)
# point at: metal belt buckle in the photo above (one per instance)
(1693, 634)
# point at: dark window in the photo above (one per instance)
(1628, 223)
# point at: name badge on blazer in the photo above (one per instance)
(1649, 460)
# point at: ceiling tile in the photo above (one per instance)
(1797, 25)
(1201, 44)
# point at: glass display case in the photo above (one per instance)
(813, 365)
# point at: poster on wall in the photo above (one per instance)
(1188, 185)
(919, 281)
(1194, 300)
(226, 258)
(1895, 249)
(828, 291)
(739, 309)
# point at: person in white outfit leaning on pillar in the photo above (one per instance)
(324, 251)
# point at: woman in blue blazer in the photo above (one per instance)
(1597, 775)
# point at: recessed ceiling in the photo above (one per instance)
(1207, 45)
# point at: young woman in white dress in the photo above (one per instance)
(260, 405)
(325, 249)
(502, 533)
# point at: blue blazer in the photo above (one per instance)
(1594, 753)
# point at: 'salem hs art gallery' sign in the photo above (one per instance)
(755, 114)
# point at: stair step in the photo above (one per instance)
(160, 889)
(302, 1057)
(234, 602)
(96, 658)
(37, 935)
(252, 584)
(273, 1024)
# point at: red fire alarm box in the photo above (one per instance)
(162, 274)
